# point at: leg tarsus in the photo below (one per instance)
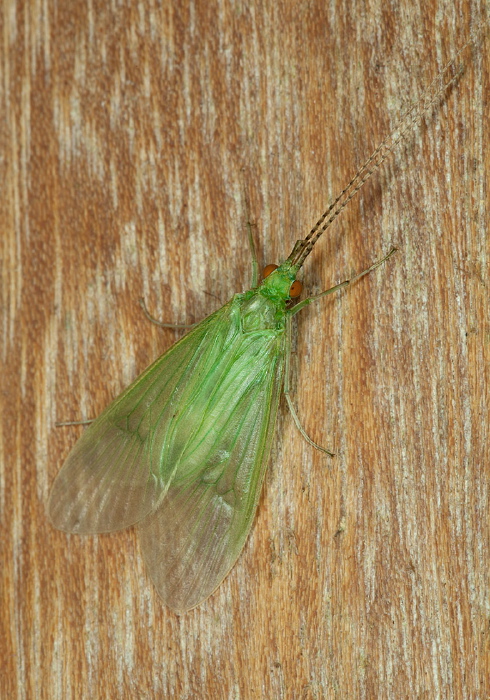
(288, 398)
(303, 431)
(159, 323)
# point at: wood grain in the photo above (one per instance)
(131, 135)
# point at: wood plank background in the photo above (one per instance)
(130, 135)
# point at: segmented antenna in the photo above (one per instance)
(404, 125)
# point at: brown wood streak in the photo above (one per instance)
(128, 140)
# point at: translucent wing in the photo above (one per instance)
(116, 474)
(183, 453)
(197, 532)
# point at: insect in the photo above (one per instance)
(182, 452)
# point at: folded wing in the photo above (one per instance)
(197, 532)
(183, 453)
(115, 474)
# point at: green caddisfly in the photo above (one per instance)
(182, 452)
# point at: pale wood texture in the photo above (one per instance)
(131, 135)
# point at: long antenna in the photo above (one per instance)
(447, 77)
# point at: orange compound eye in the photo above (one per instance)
(296, 289)
(268, 269)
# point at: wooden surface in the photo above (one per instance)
(131, 135)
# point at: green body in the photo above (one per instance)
(182, 452)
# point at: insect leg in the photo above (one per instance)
(288, 398)
(62, 424)
(345, 283)
(159, 323)
(65, 423)
(255, 264)
(251, 244)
